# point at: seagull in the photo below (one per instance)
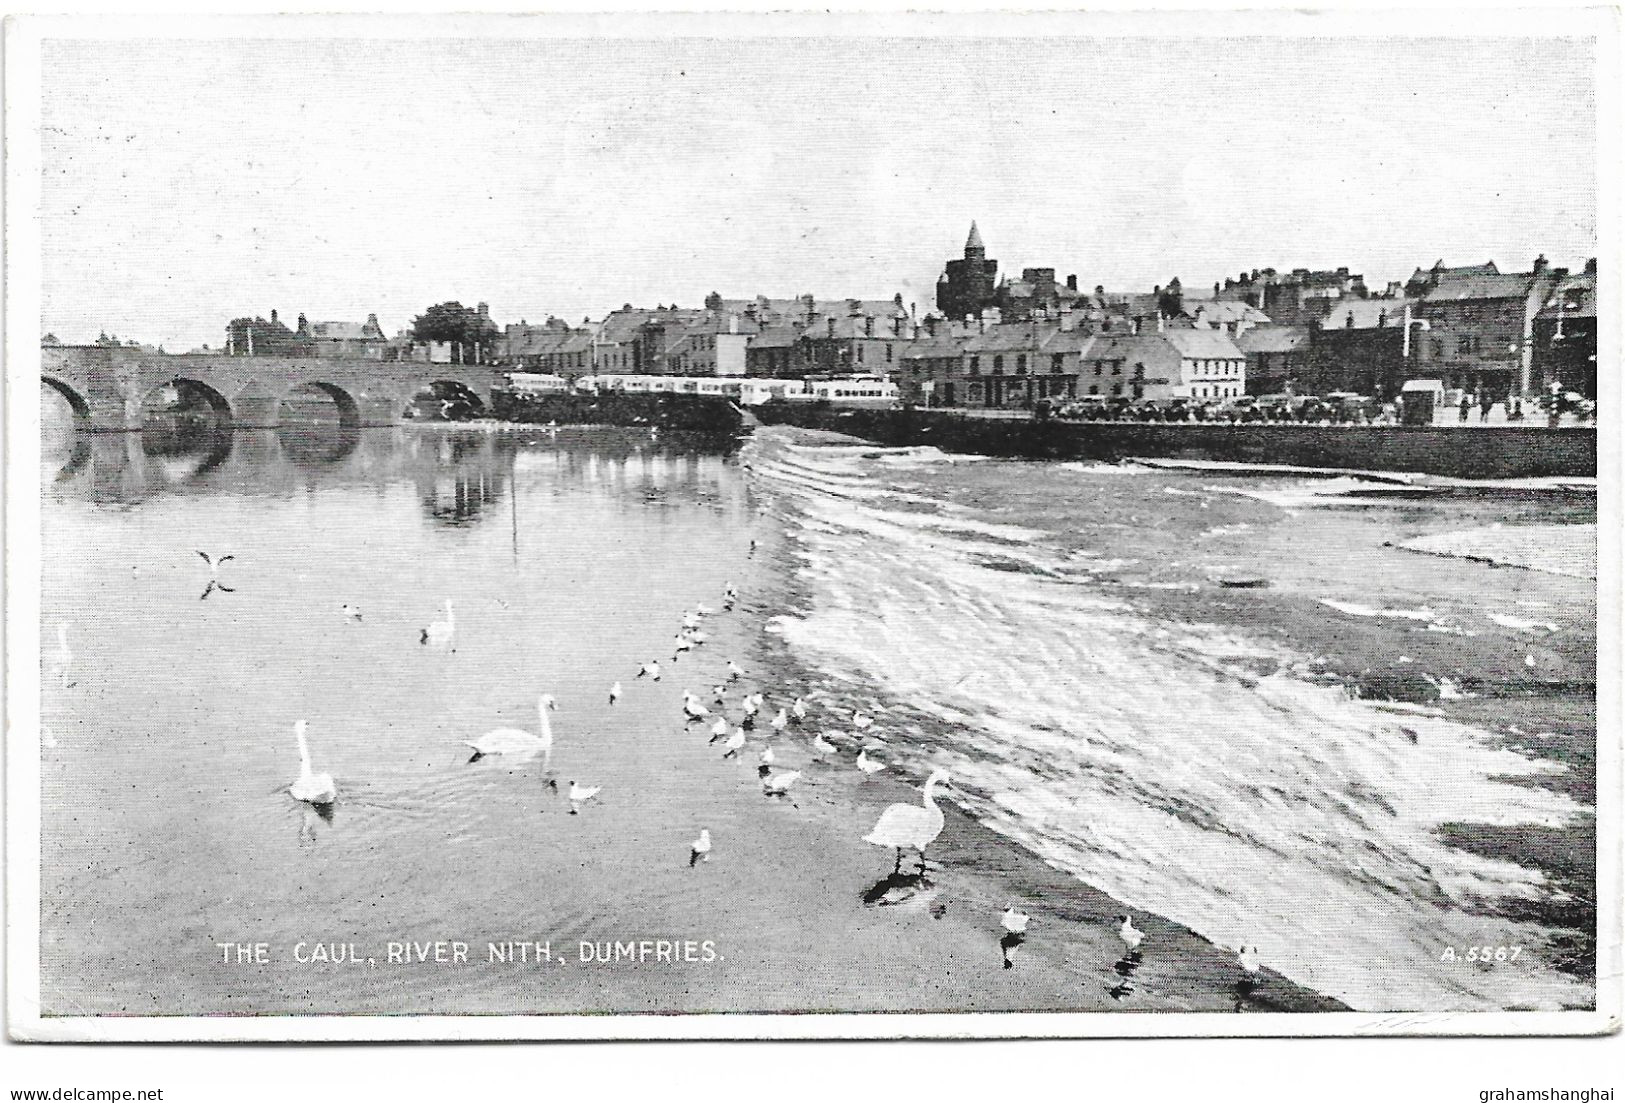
(781, 720)
(1247, 958)
(778, 784)
(1529, 660)
(767, 756)
(798, 711)
(720, 693)
(215, 564)
(580, 796)
(651, 669)
(351, 613)
(691, 620)
(861, 721)
(735, 741)
(1013, 921)
(910, 826)
(696, 637)
(680, 645)
(694, 707)
(702, 610)
(1131, 935)
(752, 548)
(440, 631)
(822, 745)
(868, 765)
(734, 672)
(719, 729)
(310, 787)
(614, 693)
(700, 849)
(749, 705)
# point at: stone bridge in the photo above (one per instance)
(107, 386)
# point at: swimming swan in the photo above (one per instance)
(310, 788)
(518, 742)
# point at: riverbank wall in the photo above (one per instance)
(1498, 452)
(686, 412)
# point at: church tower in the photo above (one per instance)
(967, 285)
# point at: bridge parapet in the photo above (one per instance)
(106, 386)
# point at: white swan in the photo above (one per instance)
(516, 741)
(868, 765)
(440, 632)
(910, 826)
(580, 796)
(62, 661)
(310, 787)
(700, 849)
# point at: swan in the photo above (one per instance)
(310, 788)
(650, 670)
(614, 693)
(350, 613)
(735, 741)
(1131, 935)
(62, 661)
(517, 742)
(580, 796)
(700, 849)
(778, 784)
(1013, 921)
(440, 631)
(909, 826)
(781, 720)
(719, 729)
(870, 767)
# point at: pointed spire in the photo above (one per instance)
(975, 239)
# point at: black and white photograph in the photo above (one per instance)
(832, 526)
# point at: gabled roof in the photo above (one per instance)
(346, 331)
(621, 326)
(1222, 311)
(1461, 272)
(1367, 313)
(1012, 336)
(776, 337)
(1202, 344)
(1069, 340)
(1274, 339)
(933, 348)
(1479, 287)
(1573, 297)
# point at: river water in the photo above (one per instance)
(1051, 633)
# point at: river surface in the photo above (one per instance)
(1053, 634)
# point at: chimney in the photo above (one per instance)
(733, 323)
(1215, 289)
(1072, 282)
(372, 323)
(1540, 264)
(1382, 318)
(483, 310)
(1159, 321)
(1348, 323)
(869, 326)
(831, 323)
(304, 326)
(1591, 266)
(273, 316)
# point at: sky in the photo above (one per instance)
(189, 182)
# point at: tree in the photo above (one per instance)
(50, 340)
(456, 324)
(269, 338)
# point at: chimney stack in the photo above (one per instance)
(273, 316)
(1072, 282)
(1540, 264)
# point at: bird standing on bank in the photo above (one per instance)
(614, 693)
(909, 826)
(777, 783)
(719, 730)
(798, 711)
(868, 765)
(1131, 935)
(781, 720)
(735, 741)
(650, 670)
(1013, 921)
(694, 708)
(351, 613)
(700, 849)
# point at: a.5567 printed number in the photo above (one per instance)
(1481, 953)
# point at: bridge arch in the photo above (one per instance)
(76, 401)
(347, 403)
(191, 392)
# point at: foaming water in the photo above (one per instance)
(1186, 768)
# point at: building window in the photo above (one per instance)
(888, 354)
(1117, 390)
(1093, 389)
(1117, 369)
(998, 365)
(1056, 362)
(976, 365)
(860, 353)
(1021, 363)
(1099, 368)
(1139, 371)
(1438, 348)
(1139, 391)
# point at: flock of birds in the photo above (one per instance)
(901, 827)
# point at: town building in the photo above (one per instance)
(1565, 336)
(1277, 358)
(342, 340)
(927, 370)
(967, 286)
(1481, 325)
